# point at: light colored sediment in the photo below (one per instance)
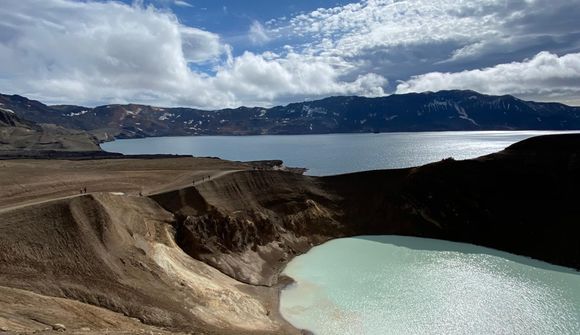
(118, 252)
(25, 311)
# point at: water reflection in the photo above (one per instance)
(427, 244)
(333, 153)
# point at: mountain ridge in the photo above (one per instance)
(427, 111)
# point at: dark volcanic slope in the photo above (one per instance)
(523, 200)
(445, 110)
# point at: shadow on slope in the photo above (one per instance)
(522, 200)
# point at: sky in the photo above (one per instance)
(214, 54)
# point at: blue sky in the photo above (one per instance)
(214, 54)
(232, 19)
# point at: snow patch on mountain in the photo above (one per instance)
(166, 116)
(8, 110)
(312, 110)
(83, 112)
(463, 115)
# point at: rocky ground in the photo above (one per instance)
(157, 246)
(107, 260)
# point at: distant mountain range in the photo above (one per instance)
(444, 110)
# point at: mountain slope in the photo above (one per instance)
(17, 134)
(444, 110)
(118, 252)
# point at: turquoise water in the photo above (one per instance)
(333, 153)
(403, 285)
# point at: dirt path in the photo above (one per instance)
(7, 209)
(197, 180)
(25, 182)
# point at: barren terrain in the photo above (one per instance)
(107, 260)
(196, 245)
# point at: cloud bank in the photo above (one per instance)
(544, 77)
(96, 52)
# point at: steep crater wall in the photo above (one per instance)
(249, 224)
(522, 200)
(118, 252)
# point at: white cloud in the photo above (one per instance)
(399, 39)
(372, 24)
(199, 45)
(62, 51)
(91, 52)
(81, 52)
(258, 79)
(182, 3)
(546, 77)
(258, 34)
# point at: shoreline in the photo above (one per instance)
(77, 155)
(285, 282)
(470, 131)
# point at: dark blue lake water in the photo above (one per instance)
(333, 153)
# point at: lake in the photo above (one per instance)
(333, 153)
(383, 285)
(391, 284)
